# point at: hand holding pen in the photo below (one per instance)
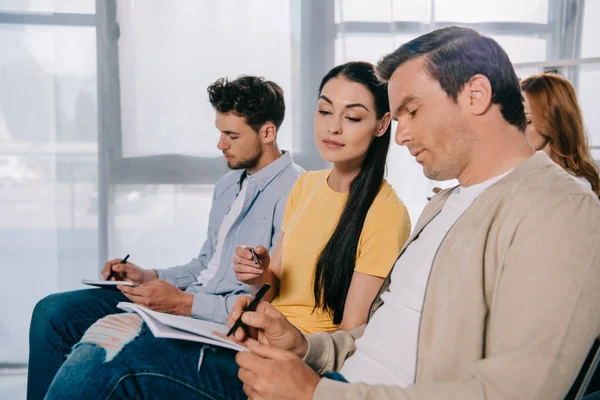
(122, 270)
(113, 274)
(267, 327)
(250, 307)
(251, 264)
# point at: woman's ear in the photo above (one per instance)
(383, 124)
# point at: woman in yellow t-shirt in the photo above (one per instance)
(344, 227)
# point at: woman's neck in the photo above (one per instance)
(546, 149)
(340, 178)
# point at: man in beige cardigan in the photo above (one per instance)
(495, 295)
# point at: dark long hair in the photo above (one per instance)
(337, 260)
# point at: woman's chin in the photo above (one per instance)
(332, 156)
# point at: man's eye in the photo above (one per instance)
(412, 113)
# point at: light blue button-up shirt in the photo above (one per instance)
(258, 223)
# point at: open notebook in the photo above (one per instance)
(170, 326)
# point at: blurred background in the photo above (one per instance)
(107, 139)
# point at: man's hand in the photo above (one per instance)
(266, 326)
(129, 272)
(270, 373)
(245, 269)
(160, 296)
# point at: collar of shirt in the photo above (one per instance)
(263, 177)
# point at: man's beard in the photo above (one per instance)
(249, 163)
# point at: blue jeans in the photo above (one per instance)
(58, 323)
(146, 367)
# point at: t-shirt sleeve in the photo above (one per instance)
(292, 202)
(386, 229)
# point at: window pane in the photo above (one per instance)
(415, 11)
(373, 47)
(472, 11)
(590, 46)
(400, 39)
(522, 49)
(367, 47)
(13, 386)
(48, 170)
(48, 6)
(468, 11)
(358, 10)
(383, 11)
(160, 225)
(523, 73)
(363, 48)
(169, 54)
(589, 87)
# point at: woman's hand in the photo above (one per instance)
(246, 271)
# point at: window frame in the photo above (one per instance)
(312, 39)
(310, 28)
(563, 33)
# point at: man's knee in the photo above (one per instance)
(113, 332)
(48, 312)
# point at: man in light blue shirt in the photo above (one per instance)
(247, 209)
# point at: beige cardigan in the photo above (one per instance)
(512, 304)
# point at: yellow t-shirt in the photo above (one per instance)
(311, 215)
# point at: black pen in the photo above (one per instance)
(250, 307)
(112, 273)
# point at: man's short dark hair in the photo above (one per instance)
(452, 56)
(254, 98)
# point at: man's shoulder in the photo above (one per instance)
(547, 186)
(230, 178)
(539, 191)
(542, 197)
(292, 172)
(281, 185)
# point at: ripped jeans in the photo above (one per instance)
(57, 324)
(119, 358)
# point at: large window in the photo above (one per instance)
(538, 35)
(48, 158)
(168, 94)
(159, 136)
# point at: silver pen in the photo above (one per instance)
(254, 255)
